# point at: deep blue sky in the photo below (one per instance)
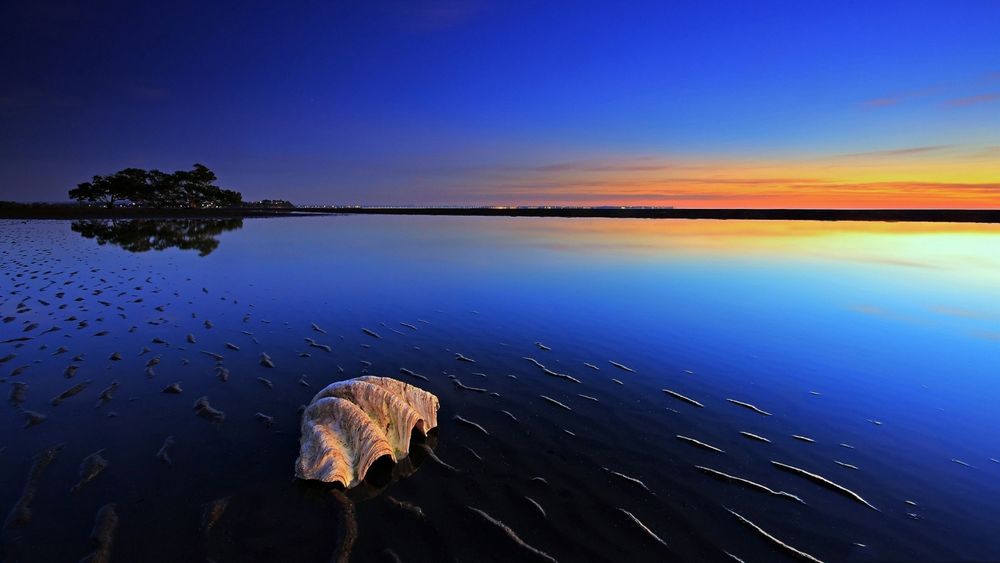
(493, 101)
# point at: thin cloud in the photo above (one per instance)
(620, 197)
(981, 80)
(952, 189)
(908, 151)
(962, 313)
(972, 100)
(881, 102)
(751, 192)
(900, 97)
(434, 15)
(783, 185)
(869, 310)
(987, 152)
(150, 93)
(988, 335)
(887, 261)
(601, 167)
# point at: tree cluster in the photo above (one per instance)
(152, 188)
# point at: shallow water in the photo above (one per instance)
(884, 337)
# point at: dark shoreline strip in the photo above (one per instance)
(43, 211)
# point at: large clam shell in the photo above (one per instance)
(350, 424)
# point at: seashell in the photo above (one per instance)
(350, 424)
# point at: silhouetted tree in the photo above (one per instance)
(184, 188)
(196, 186)
(121, 186)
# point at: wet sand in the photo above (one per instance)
(576, 468)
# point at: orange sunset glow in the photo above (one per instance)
(918, 177)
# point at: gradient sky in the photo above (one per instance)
(692, 104)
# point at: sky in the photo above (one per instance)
(797, 104)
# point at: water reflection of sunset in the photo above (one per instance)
(965, 248)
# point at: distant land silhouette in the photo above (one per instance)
(922, 215)
(12, 210)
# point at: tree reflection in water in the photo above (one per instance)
(140, 235)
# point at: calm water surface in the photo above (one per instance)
(879, 342)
